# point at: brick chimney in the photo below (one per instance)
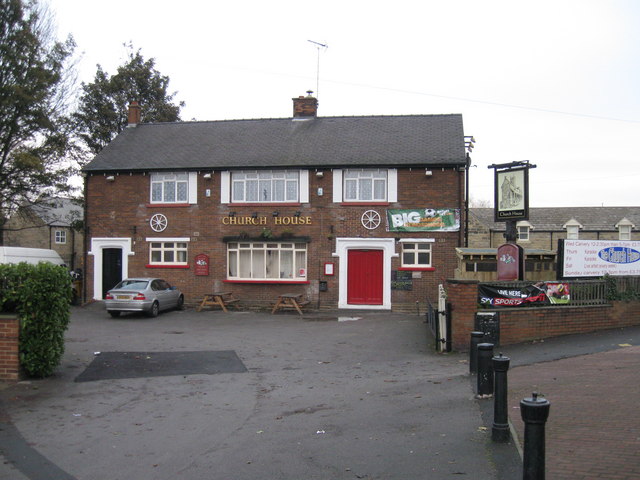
(305, 107)
(134, 114)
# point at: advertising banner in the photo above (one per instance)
(424, 220)
(595, 258)
(541, 293)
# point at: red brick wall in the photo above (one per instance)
(116, 209)
(9, 360)
(524, 324)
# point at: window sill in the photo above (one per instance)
(156, 265)
(282, 282)
(357, 204)
(262, 204)
(168, 205)
(418, 269)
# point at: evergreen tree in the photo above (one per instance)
(35, 85)
(103, 106)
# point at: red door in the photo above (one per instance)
(364, 277)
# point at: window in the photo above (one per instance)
(168, 252)
(523, 233)
(573, 227)
(624, 227)
(267, 261)
(624, 232)
(366, 185)
(572, 232)
(265, 186)
(416, 254)
(61, 236)
(169, 187)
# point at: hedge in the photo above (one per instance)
(40, 295)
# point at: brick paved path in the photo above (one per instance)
(593, 431)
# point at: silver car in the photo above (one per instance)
(148, 295)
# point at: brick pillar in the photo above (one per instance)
(463, 296)
(9, 340)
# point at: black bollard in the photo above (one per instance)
(500, 431)
(485, 372)
(535, 412)
(476, 338)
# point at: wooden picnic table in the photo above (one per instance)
(290, 301)
(220, 299)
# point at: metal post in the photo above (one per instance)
(476, 338)
(485, 372)
(500, 431)
(535, 412)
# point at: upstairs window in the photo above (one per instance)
(624, 232)
(61, 236)
(523, 233)
(270, 186)
(573, 232)
(573, 228)
(365, 185)
(624, 227)
(169, 187)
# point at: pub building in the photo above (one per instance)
(360, 212)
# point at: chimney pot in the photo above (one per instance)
(134, 114)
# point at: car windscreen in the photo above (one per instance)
(131, 285)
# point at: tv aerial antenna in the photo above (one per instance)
(318, 47)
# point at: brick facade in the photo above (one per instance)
(121, 209)
(9, 358)
(525, 324)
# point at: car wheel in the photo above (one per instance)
(114, 313)
(155, 309)
(180, 304)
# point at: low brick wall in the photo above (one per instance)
(525, 324)
(9, 338)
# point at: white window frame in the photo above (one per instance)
(416, 251)
(391, 186)
(524, 233)
(624, 232)
(175, 187)
(355, 188)
(175, 245)
(625, 227)
(260, 269)
(265, 186)
(573, 232)
(60, 236)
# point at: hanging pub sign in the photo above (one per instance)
(512, 194)
(424, 220)
(201, 263)
(511, 191)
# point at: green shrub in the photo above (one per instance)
(40, 295)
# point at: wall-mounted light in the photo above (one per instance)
(111, 178)
(232, 214)
(207, 176)
(276, 213)
(297, 214)
(319, 174)
(254, 215)
(428, 172)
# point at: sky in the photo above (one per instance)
(554, 82)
